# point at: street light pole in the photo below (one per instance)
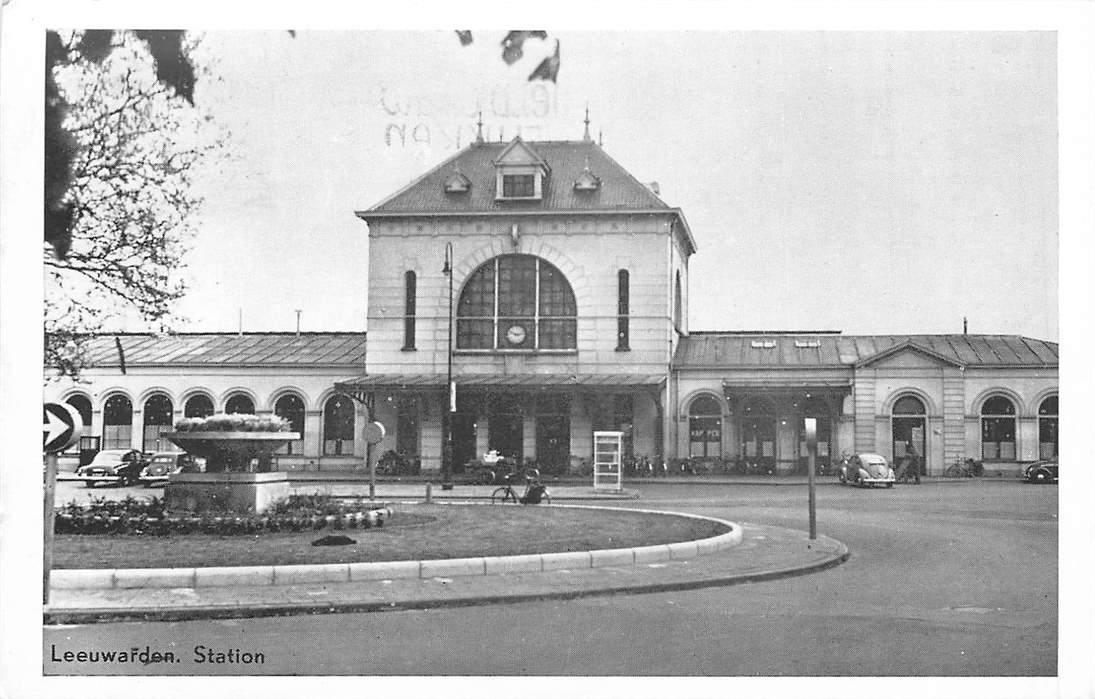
(446, 449)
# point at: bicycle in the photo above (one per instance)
(535, 492)
(964, 468)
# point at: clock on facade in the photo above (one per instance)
(515, 335)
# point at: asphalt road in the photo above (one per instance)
(944, 579)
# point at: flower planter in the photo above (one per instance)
(229, 484)
(231, 451)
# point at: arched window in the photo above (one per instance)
(83, 406)
(909, 428)
(909, 405)
(239, 404)
(338, 425)
(158, 418)
(998, 429)
(517, 302)
(705, 427)
(198, 405)
(1047, 429)
(623, 310)
(117, 422)
(411, 283)
(291, 407)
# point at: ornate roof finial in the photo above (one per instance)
(586, 137)
(479, 133)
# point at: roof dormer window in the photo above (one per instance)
(520, 172)
(587, 181)
(457, 183)
(518, 186)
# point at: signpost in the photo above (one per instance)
(61, 427)
(811, 463)
(374, 432)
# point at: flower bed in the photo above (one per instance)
(293, 514)
(233, 423)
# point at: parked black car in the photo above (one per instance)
(117, 466)
(1041, 472)
(165, 463)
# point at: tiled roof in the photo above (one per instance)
(227, 349)
(777, 350)
(619, 190)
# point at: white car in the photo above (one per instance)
(867, 470)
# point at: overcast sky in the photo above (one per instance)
(865, 182)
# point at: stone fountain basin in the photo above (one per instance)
(227, 491)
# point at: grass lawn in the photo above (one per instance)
(414, 532)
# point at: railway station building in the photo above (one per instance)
(552, 286)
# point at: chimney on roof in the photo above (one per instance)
(965, 326)
(297, 311)
(653, 187)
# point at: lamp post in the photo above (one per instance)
(446, 448)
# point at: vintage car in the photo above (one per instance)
(165, 463)
(117, 466)
(1041, 472)
(866, 470)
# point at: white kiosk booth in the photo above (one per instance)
(608, 448)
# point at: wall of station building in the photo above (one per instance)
(862, 416)
(264, 387)
(589, 251)
(429, 443)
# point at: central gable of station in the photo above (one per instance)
(907, 355)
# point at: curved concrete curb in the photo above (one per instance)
(836, 553)
(122, 578)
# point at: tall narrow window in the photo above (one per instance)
(705, 427)
(83, 405)
(409, 311)
(1048, 440)
(291, 407)
(998, 429)
(158, 417)
(338, 426)
(117, 422)
(623, 311)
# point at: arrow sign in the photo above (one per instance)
(61, 426)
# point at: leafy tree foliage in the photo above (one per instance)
(122, 143)
(513, 49)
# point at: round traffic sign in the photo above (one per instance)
(374, 432)
(61, 426)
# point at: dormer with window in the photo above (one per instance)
(587, 181)
(457, 183)
(520, 173)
